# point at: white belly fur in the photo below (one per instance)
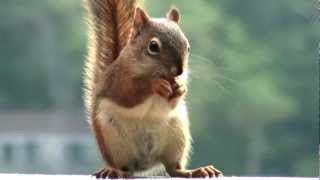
(154, 107)
(136, 137)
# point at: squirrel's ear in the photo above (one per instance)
(174, 15)
(140, 18)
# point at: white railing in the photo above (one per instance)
(82, 177)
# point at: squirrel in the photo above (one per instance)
(135, 87)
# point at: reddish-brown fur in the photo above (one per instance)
(125, 91)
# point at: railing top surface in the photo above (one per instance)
(85, 177)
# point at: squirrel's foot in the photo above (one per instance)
(207, 171)
(110, 173)
(162, 88)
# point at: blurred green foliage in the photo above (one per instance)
(253, 99)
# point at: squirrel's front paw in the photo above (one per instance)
(178, 90)
(162, 88)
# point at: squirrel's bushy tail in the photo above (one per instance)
(110, 24)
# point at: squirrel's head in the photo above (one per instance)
(160, 47)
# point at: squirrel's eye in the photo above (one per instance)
(154, 46)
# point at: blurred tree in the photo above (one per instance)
(42, 54)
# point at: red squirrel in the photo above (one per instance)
(136, 82)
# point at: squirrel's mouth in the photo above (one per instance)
(171, 74)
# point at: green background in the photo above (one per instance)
(253, 96)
